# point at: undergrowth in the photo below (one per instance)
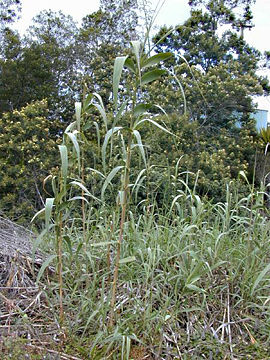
(199, 287)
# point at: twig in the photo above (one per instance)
(223, 327)
(18, 287)
(229, 322)
(176, 344)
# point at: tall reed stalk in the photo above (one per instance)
(137, 112)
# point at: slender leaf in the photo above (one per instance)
(78, 111)
(96, 171)
(152, 76)
(260, 278)
(105, 143)
(141, 109)
(154, 123)
(127, 260)
(156, 59)
(195, 288)
(100, 107)
(102, 113)
(98, 134)
(136, 45)
(87, 102)
(139, 141)
(78, 198)
(120, 112)
(39, 239)
(181, 89)
(121, 194)
(109, 178)
(37, 214)
(138, 179)
(117, 71)
(70, 127)
(74, 140)
(48, 211)
(44, 266)
(130, 65)
(64, 160)
(80, 185)
(102, 243)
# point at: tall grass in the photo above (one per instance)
(188, 280)
(196, 289)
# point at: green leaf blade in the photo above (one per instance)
(152, 76)
(156, 59)
(109, 178)
(117, 72)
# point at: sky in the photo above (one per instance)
(173, 12)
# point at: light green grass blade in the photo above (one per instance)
(100, 107)
(154, 123)
(260, 278)
(48, 211)
(70, 127)
(117, 72)
(120, 112)
(105, 143)
(109, 179)
(76, 145)
(102, 243)
(86, 191)
(98, 134)
(136, 45)
(44, 266)
(181, 89)
(139, 142)
(37, 214)
(195, 288)
(78, 198)
(138, 179)
(64, 161)
(78, 111)
(127, 260)
(96, 172)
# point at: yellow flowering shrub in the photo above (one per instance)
(28, 151)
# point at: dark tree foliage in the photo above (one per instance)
(40, 66)
(9, 11)
(104, 35)
(221, 76)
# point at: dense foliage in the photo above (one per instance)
(58, 61)
(26, 138)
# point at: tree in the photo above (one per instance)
(40, 66)
(103, 35)
(9, 11)
(221, 76)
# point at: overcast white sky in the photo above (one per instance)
(173, 12)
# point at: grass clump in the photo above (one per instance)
(198, 287)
